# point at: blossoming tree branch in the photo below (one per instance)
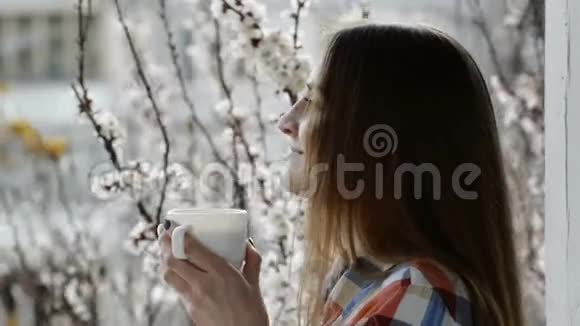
(236, 33)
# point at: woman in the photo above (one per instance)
(416, 234)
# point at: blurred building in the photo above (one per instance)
(38, 41)
(38, 58)
(38, 51)
(39, 62)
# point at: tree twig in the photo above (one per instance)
(182, 85)
(481, 23)
(234, 122)
(255, 41)
(17, 243)
(226, 6)
(300, 5)
(85, 103)
(146, 85)
(258, 113)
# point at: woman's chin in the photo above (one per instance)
(291, 183)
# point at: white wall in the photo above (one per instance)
(563, 162)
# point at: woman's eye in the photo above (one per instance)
(307, 103)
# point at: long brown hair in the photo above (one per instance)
(428, 90)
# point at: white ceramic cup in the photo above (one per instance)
(222, 230)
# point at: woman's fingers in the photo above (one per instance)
(169, 275)
(196, 253)
(202, 257)
(184, 269)
(252, 266)
(191, 274)
(165, 244)
(178, 283)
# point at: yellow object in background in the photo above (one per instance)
(28, 134)
(4, 88)
(54, 148)
(12, 320)
(20, 126)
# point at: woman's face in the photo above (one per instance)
(295, 124)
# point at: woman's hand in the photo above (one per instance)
(214, 292)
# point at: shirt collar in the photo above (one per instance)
(379, 265)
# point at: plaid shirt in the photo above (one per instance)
(419, 292)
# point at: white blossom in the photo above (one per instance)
(110, 126)
(222, 108)
(273, 51)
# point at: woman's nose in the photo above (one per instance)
(288, 124)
